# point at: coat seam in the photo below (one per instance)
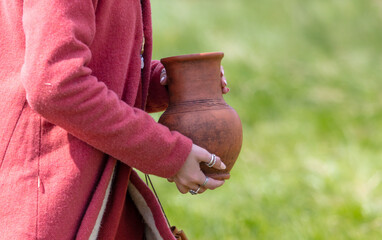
(11, 136)
(38, 175)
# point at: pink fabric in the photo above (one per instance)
(72, 97)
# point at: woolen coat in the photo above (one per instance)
(73, 123)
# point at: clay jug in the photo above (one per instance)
(197, 108)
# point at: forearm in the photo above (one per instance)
(61, 88)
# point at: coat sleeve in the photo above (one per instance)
(157, 99)
(61, 88)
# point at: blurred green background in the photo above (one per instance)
(305, 77)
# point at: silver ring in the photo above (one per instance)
(194, 192)
(212, 162)
(212, 159)
(205, 182)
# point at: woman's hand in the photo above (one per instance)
(225, 89)
(190, 177)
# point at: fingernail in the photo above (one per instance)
(222, 166)
(162, 79)
(225, 82)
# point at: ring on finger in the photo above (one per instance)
(205, 182)
(194, 192)
(212, 162)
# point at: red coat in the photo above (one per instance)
(72, 96)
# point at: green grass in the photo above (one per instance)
(305, 77)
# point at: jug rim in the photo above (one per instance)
(194, 56)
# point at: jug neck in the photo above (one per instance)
(194, 77)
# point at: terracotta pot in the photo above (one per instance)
(197, 108)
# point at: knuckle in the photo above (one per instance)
(194, 179)
(183, 191)
(205, 152)
(182, 181)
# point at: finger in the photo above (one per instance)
(224, 81)
(202, 190)
(163, 77)
(183, 189)
(202, 186)
(218, 162)
(163, 80)
(213, 184)
(196, 182)
(192, 185)
(191, 182)
(221, 70)
(198, 188)
(225, 90)
(170, 179)
(206, 157)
